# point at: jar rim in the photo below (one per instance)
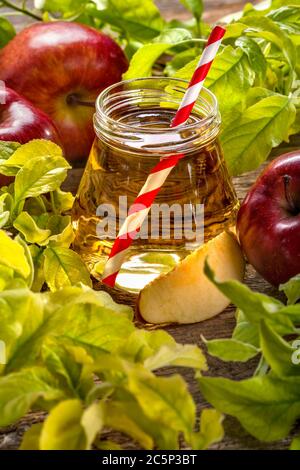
(132, 128)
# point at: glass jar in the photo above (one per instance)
(196, 202)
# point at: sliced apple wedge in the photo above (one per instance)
(185, 294)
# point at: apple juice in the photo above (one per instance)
(196, 202)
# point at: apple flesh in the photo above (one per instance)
(268, 223)
(61, 67)
(185, 294)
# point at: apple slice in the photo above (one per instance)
(185, 294)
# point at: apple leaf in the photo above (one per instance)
(255, 306)
(195, 7)
(143, 60)
(13, 256)
(139, 20)
(291, 288)
(229, 78)
(39, 175)
(248, 140)
(277, 352)
(69, 427)
(31, 438)
(295, 445)
(64, 267)
(126, 416)
(266, 406)
(20, 390)
(231, 349)
(19, 155)
(211, 429)
(174, 406)
(7, 149)
(25, 224)
(7, 31)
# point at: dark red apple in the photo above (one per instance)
(21, 122)
(61, 67)
(268, 222)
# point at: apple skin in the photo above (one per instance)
(56, 64)
(21, 122)
(268, 223)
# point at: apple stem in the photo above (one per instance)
(73, 100)
(288, 196)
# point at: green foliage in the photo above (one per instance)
(34, 211)
(68, 337)
(268, 404)
(7, 31)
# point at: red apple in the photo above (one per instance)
(21, 122)
(269, 220)
(61, 67)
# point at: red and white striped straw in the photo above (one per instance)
(158, 175)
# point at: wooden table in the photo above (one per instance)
(220, 326)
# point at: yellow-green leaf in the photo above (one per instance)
(12, 255)
(25, 224)
(63, 267)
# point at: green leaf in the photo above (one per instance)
(231, 350)
(63, 201)
(62, 429)
(19, 155)
(6, 150)
(37, 256)
(79, 316)
(195, 7)
(13, 256)
(40, 175)
(229, 78)
(20, 390)
(66, 6)
(125, 416)
(266, 406)
(186, 355)
(248, 140)
(277, 352)
(31, 438)
(263, 27)
(156, 349)
(7, 31)
(138, 20)
(211, 429)
(143, 60)
(180, 60)
(69, 427)
(255, 56)
(291, 289)
(164, 399)
(22, 317)
(94, 321)
(295, 445)
(63, 267)
(25, 224)
(68, 364)
(287, 18)
(245, 331)
(255, 306)
(62, 233)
